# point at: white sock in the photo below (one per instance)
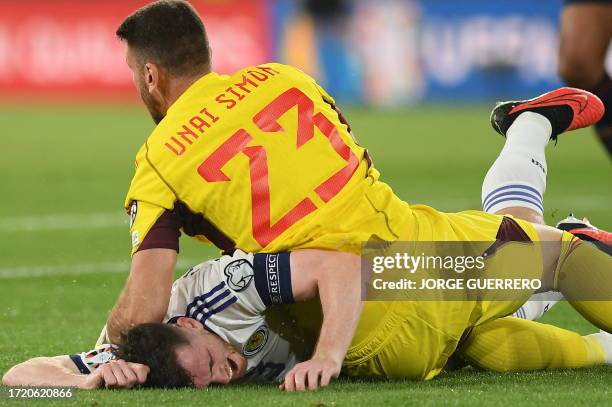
(538, 305)
(605, 340)
(518, 179)
(518, 176)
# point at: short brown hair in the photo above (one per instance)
(171, 34)
(155, 345)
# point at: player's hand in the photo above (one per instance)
(311, 375)
(117, 374)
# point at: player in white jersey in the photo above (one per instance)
(214, 331)
(218, 307)
(228, 297)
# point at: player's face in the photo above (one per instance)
(146, 82)
(207, 358)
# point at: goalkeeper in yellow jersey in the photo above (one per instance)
(262, 160)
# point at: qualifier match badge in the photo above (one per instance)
(133, 212)
(256, 342)
(239, 274)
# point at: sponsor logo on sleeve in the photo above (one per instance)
(239, 274)
(256, 342)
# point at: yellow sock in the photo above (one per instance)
(512, 344)
(584, 277)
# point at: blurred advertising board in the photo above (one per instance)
(376, 52)
(68, 47)
(489, 49)
(403, 51)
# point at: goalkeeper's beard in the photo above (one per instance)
(153, 106)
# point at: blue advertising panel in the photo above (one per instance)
(390, 52)
(489, 49)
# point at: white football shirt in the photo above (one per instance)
(229, 296)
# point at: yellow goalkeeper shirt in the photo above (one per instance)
(261, 160)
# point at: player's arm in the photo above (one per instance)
(61, 371)
(155, 234)
(146, 294)
(336, 278)
(303, 275)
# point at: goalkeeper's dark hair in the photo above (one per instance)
(155, 345)
(169, 33)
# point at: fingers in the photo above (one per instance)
(128, 372)
(121, 374)
(290, 381)
(120, 379)
(326, 376)
(110, 380)
(306, 376)
(313, 379)
(300, 380)
(294, 381)
(141, 371)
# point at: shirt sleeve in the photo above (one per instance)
(260, 279)
(236, 273)
(247, 282)
(150, 202)
(88, 362)
(153, 227)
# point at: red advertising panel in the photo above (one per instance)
(68, 47)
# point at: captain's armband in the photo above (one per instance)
(273, 278)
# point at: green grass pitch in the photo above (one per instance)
(65, 246)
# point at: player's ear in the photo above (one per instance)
(189, 323)
(151, 74)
